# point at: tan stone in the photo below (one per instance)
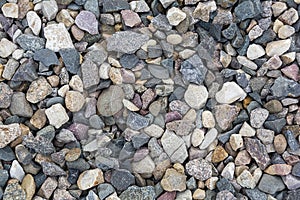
(219, 154)
(90, 178)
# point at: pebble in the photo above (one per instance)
(5, 95)
(273, 106)
(140, 192)
(219, 154)
(154, 131)
(14, 190)
(228, 171)
(130, 18)
(57, 115)
(291, 71)
(10, 10)
(104, 190)
(246, 180)
(28, 184)
(57, 37)
(90, 178)
(38, 90)
(49, 9)
(124, 175)
(285, 31)
(196, 96)
(71, 59)
(258, 152)
(175, 16)
(199, 168)
(16, 171)
(203, 10)
(270, 184)
(255, 51)
(48, 187)
(51, 169)
(278, 47)
(197, 137)
(87, 21)
(247, 131)
(229, 93)
(258, 116)
(6, 48)
(284, 87)
(236, 141)
(46, 56)
(225, 115)
(74, 101)
(20, 106)
(208, 120)
(34, 22)
(139, 6)
(173, 181)
(279, 169)
(209, 137)
(289, 17)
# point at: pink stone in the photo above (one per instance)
(147, 97)
(140, 154)
(167, 196)
(291, 71)
(80, 131)
(171, 116)
(130, 18)
(87, 21)
(137, 101)
(127, 76)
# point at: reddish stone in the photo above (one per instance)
(167, 196)
(291, 71)
(80, 131)
(171, 116)
(137, 101)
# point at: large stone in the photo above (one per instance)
(90, 74)
(90, 178)
(87, 21)
(10, 10)
(284, 87)
(175, 16)
(57, 37)
(46, 56)
(49, 9)
(248, 9)
(258, 152)
(38, 90)
(196, 96)
(271, 184)
(115, 5)
(30, 42)
(71, 59)
(278, 47)
(199, 168)
(173, 181)
(57, 115)
(138, 193)
(14, 190)
(230, 93)
(74, 101)
(126, 42)
(34, 22)
(9, 133)
(110, 101)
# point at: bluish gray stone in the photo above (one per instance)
(161, 23)
(291, 140)
(224, 184)
(275, 125)
(284, 87)
(46, 56)
(271, 184)
(71, 59)
(51, 169)
(248, 9)
(136, 121)
(26, 72)
(30, 42)
(92, 6)
(115, 5)
(139, 140)
(39, 144)
(104, 190)
(3, 177)
(121, 179)
(255, 194)
(296, 170)
(193, 73)
(129, 61)
(79, 164)
(230, 31)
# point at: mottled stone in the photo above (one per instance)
(5, 95)
(87, 21)
(48, 187)
(90, 178)
(10, 10)
(258, 116)
(225, 115)
(271, 184)
(173, 181)
(279, 169)
(57, 115)
(14, 190)
(284, 87)
(74, 101)
(199, 168)
(180, 127)
(51, 169)
(90, 74)
(219, 154)
(6, 48)
(38, 90)
(175, 16)
(20, 106)
(130, 18)
(196, 96)
(121, 179)
(136, 121)
(136, 193)
(230, 93)
(30, 42)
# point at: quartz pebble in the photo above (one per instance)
(57, 115)
(90, 178)
(196, 96)
(230, 93)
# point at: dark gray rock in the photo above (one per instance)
(226, 3)
(271, 184)
(224, 184)
(296, 170)
(92, 6)
(275, 125)
(248, 9)
(51, 169)
(73, 175)
(136, 121)
(161, 22)
(230, 31)
(138, 193)
(284, 87)
(121, 179)
(268, 36)
(255, 194)
(39, 144)
(139, 140)
(154, 51)
(5, 95)
(30, 42)
(26, 72)
(291, 140)
(3, 177)
(104, 190)
(115, 5)
(79, 164)
(129, 61)
(46, 56)
(71, 59)
(23, 155)
(20, 106)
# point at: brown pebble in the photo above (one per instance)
(280, 143)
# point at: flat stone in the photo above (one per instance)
(90, 178)
(38, 90)
(258, 116)
(246, 130)
(124, 175)
(115, 5)
(129, 61)
(14, 190)
(5, 95)
(20, 106)
(246, 180)
(144, 166)
(236, 141)
(16, 171)
(291, 71)
(291, 182)
(74, 101)
(48, 187)
(136, 121)
(154, 131)
(279, 169)
(284, 87)
(289, 17)
(278, 47)
(6, 48)
(180, 127)
(49, 9)
(30, 42)
(130, 18)
(285, 31)
(10, 10)
(291, 140)
(248, 9)
(199, 168)
(51, 169)
(90, 74)
(219, 154)
(209, 137)
(196, 96)
(173, 181)
(46, 56)
(71, 59)
(255, 51)
(136, 193)
(175, 16)
(57, 115)
(158, 71)
(225, 115)
(126, 42)
(271, 184)
(57, 37)
(230, 93)
(34, 22)
(87, 21)
(258, 152)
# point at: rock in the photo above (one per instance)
(180, 127)
(136, 193)
(6, 48)
(90, 74)
(30, 42)
(248, 9)
(20, 106)
(74, 101)
(166, 3)
(280, 143)
(246, 180)
(46, 56)
(273, 106)
(126, 42)
(219, 154)
(71, 59)
(197, 137)
(258, 116)
(34, 22)
(49, 9)
(208, 120)
(203, 10)
(199, 168)
(289, 17)
(255, 51)
(139, 6)
(136, 121)
(51, 169)
(279, 169)
(57, 37)
(254, 33)
(278, 8)
(5, 95)
(26, 72)
(16, 171)
(28, 184)
(258, 152)
(104, 190)
(175, 16)
(284, 87)
(115, 5)
(3, 177)
(225, 115)
(291, 71)
(246, 130)
(236, 141)
(154, 131)
(255, 194)
(296, 170)
(124, 175)
(292, 182)
(173, 181)
(90, 178)
(193, 72)
(144, 166)
(209, 137)
(87, 21)
(196, 96)
(48, 187)
(64, 17)
(38, 90)
(291, 140)
(271, 184)
(229, 93)
(285, 31)
(130, 18)
(174, 146)
(228, 171)
(13, 190)
(10, 10)
(57, 115)
(278, 47)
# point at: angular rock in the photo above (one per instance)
(34, 22)
(271, 184)
(196, 96)
(57, 115)
(90, 74)
(20, 106)
(199, 168)
(173, 181)
(258, 116)
(225, 115)
(38, 90)
(74, 101)
(6, 48)
(136, 121)
(87, 21)
(49, 9)
(90, 178)
(175, 16)
(46, 56)
(14, 190)
(193, 73)
(71, 59)
(248, 9)
(5, 95)
(124, 175)
(26, 72)
(230, 93)
(136, 193)
(51, 169)
(180, 127)
(279, 169)
(130, 18)
(284, 87)
(278, 47)
(115, 5)
(30, 42)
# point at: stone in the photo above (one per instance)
(248, 9)
(5, 95)
(246, 180)
(161, 22)
(173, 181)
(104, 190)
(285, 31)
(203, 10)
(10, 10)
(115, 5)
(124, 175)
(228, 171)
(136, 193)
(28, 184)
(154, 131)
(16, 171)
(280, 143)
(131, 18)
(180, 127)
(139, 6)
(129, 61)
(225, 115)
(292, 182)
(296, 170)
(229, 93)
(291, 71)
(197, 137)
(3, 177)
(196, 96)
(279, 169)
(6, 48)
(273, 106)
(284, 87)
(225, 194)
(30, 42)
(291, 140)
(176, 39)
(246, 130)
(193, 72)
(174, 146)
(57, 37)
(278, 8)
(236, 141)
(219, 154)
(126, 42)
(74, 101)
(87, 21)
(254, 33)
(38, 90)
(34, 22)
(46, 56)
(166, 3)
(209, 137)
(57, 115)
(49, 9)
(208, 120)
(14, 190)
(20, 106)
(136, 121)
(258, 152)
(289, 17)
(48, 187)
(64, 17)
(255, 194)
(71, 59)
(199, 168)
(271, 184)
(175, 16)
(90, 178)
(258, 116)
(278, 47)
(51, 169)
(255, 51)
(90, 74)
(246, 62)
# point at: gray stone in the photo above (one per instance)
(291, 140)
(258, 152)
(248, 9)
(93, 6)
(255, 194)
(296, 170)
(5, 95)
(7, 154)
(49, 9)
(3, 177)
(139, 140)
(14, 190)
(121, 179)
(30, 42)
(71, 59)
(158, 71)
(104, 190)
(90, 74)
(79, 164)
(98, 56)
(161, 22)
(51, 169)
(136, 121)
(271, 184)
(129, 61)
(126, 42)
(46, 56)
(26, 72)
(16, 171)
(193, 72)
(258, 116)
(275, 125)
(20, 106)
(284, 87)
(154, 51)
(39, 144)
(138, 193)
(226, 3)
(115, 5)
(224, 184)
